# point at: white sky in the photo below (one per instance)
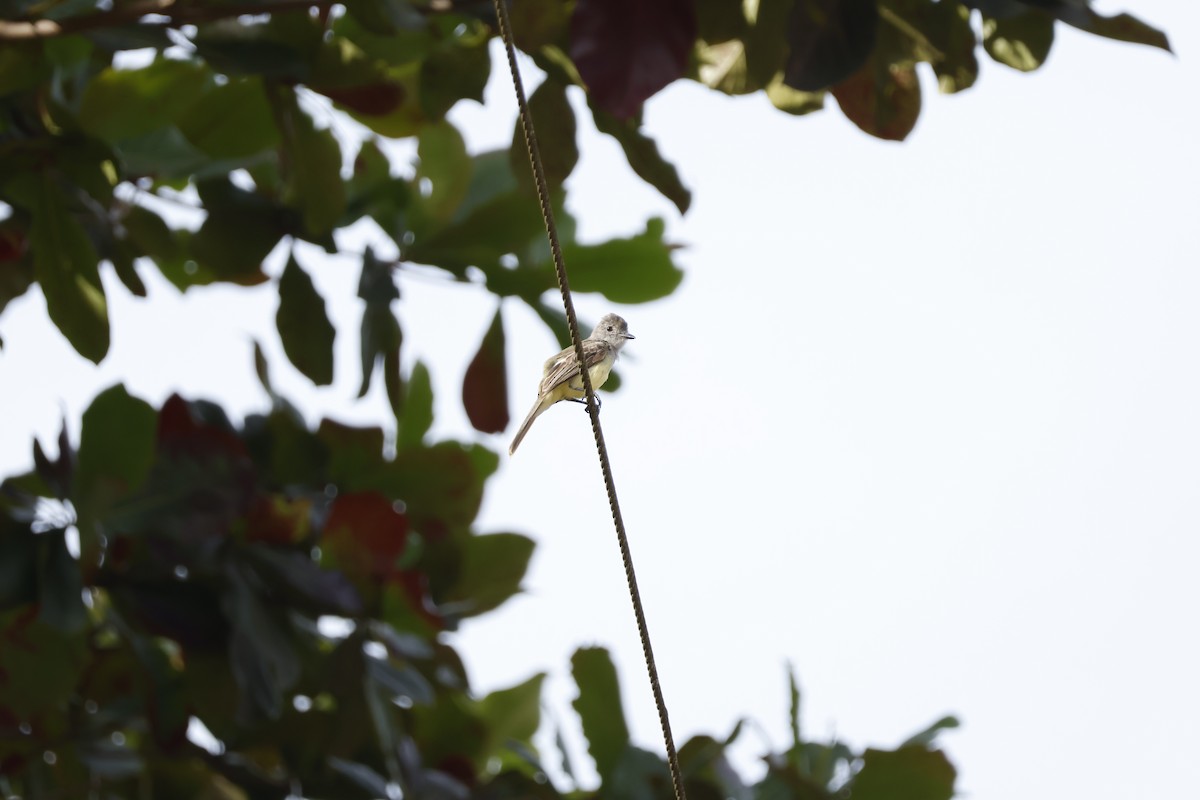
(922, 419)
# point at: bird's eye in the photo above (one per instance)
(610, 328)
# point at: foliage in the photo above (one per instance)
(113, 114)
(177, 567)
(211, 561)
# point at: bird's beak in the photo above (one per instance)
(630, 336)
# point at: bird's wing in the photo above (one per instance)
(563, 367)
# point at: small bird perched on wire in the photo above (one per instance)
(560, 374)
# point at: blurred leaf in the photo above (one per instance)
(39, 664)
(485, 385)
(1121, 27)
(457, 69)
(300, 582)
(639, 774)
(910, 773)
(60, 587)
(633, 270)
(281, 47)
(380, 334)
(417, 417)
(124, 103)
(644, 159)
(346, 75)
(261, 655)
(948, 26)
(312, 168)
(513, 715)
(882, 99)
(719, 21)
(654, 38)
(362, 775)
(554, 126)
(59, 473)
(365, 537)
(263, 370)
(241, 229)
(793, 101)
(766, 42)
(1022, 42)
(926, 737)
(403, 681)
(491, 572)
(536, 24)
(444, 163)
(828, 41)
(304, 326)
(65, 265)
(599, 707)
(232, 120)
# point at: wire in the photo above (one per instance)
(560, 269)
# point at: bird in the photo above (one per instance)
(560, 374)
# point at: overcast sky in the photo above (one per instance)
(923, 419)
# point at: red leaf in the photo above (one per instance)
(882, 100)
(485, 386)
(626, 50)
(366, 535)
(373, 99)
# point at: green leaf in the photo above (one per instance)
(242, 227)
(261, 656)
(380, 333)
(948, 26)
(926, 737)
(417, 416)
(116, 452)
(283, 47)
(65, 265)
(456, 70)
(304, 326)
(513, 715)
(766, 41)
(60, 586)
(312, 169)
(485, 385)
(719, 21)
(231, 121)
(910, 773)
(491, 572)
(793, 101)
(39, 665)
(124, 103)
(828, 40)
(599, 707)
(554, 125)
(1022, 42)
(633, 270)
(444, 163)
(883, 99)
(644, 159)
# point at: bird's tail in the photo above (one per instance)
(537, 409)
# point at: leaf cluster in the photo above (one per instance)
(289, 589)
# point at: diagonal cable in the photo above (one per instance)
(560, 269)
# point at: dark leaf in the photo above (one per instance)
(513, 715)
(242, 227)
(123, 103)
(491, 572)
(365, 537)
(445, 168)
(633, 270)
(948, 26)
(312, 168)
(380, 334)
(926, 737)
(39, 664)
(403, 681)
(261, 655)
(231, 121)
(882, 99)
(417, 417)
(828, 40)
(644, 159)
(58, 473)
(1022, 42)
(304, 583)
(554, 126)
(65, 265)
(766, 42)
(457, 69)
(536, 24)
(910, 773)
(304, 326)
(485, 385)
(599, 707)
(60, 587)
(719, 21)
(653, 37)
(283, 47)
